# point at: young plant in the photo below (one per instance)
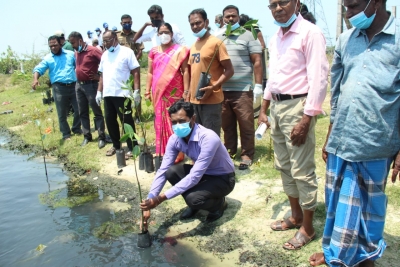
(42, 137)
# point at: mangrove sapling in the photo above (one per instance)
(42, 137)
(144, 236)
(205, 77)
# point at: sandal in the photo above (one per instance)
(111, 152)
(128, 155)
(277, 225)
(298, 241)
(244, 164)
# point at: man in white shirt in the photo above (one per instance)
(99, 36)
(89, 39)
(157, 17)
(116, 65)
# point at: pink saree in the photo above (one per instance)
(167, 88)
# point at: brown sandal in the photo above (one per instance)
(298, 241)
(111, 152)
(277, 225)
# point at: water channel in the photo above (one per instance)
(33, 234)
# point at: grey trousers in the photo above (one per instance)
(64, 96)
(209, 115)
(86, 96)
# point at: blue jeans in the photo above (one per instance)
(64, 96)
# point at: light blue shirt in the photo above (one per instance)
(205, 149)
(61, 68)
(365, 92)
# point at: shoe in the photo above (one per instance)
(188, 213)
(102, 144)
(108, 139)
(85, 142)
(213, 216)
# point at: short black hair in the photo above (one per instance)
(243, 19)
(306, 14)
(76, 35)
(95, 41)
(125, 16)
(54, 37)
(155, 9)
(230, 7)
(200, 11)
(219, 16)
(181, 104)
(166, 24)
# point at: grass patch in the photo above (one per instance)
(58, 198)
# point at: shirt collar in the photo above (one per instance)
(195, 133)
(62, 51)
(389, 28)
(296, 26)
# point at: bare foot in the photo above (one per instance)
(367, 263)
(317, 259)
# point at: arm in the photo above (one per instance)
(258, 71)
(147, 94)
(140, 33)
(35, 83)
(100, 86)
(261, 39)
(228, 73)
(186, 79)
(262, 117)
(38, 71)
(136, 76)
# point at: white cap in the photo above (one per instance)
(59, 33)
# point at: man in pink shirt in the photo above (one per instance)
(295, 91)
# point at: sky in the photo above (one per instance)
(26, 24)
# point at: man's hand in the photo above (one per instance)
(146, 217)
(300, 131)
(257, 92)
(136, 97)
(94, 76)
(151, 203)
(34, 84)
(263, 118)
(149, 24)
(99, 97)
(396, 168)
(208, 91)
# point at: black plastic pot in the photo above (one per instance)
(203, 82)
(148, 162)
(141, 161)
(157, 162)
(144, 240)
(121, 162)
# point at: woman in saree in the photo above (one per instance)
(167, 81)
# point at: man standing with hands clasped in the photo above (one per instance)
(116, 65)
(295, 91)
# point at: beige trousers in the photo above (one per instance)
(296, 163)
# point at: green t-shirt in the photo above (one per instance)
(67, 46)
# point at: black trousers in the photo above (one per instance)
(209, 193)
(111, 111)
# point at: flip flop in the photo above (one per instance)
(244, 164)
(111, 152)
(298, 241)
(277, 225)
(128, 155)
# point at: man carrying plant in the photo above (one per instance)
(61, 66)
(363, 138)
(203, 185)
(237, 107)
(116, 65)
(87, 64)
(208, 56)
(296, 89)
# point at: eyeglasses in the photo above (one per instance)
(280, 3)
(108, 41)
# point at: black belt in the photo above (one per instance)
(88, 82)
(65, 84)
(282, 97)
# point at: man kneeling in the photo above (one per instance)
(203, 185)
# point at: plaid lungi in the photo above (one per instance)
(356, 208)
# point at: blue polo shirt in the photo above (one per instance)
(61, 68)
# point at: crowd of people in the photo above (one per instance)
(212, 85)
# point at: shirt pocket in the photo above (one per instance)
(388, 76)
(290, 61)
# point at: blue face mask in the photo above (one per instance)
(127, 26)
(111, 49)
(289, 22)
(361, 21)
(182, 130)
(200, 34)
(218, 25)
(79, 47)
(235, 26)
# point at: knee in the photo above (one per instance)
(194, 201)
(172, 174)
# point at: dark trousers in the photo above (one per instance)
(111, 111)
(64, 96)
(237, 108)
(86, 96)
(209, 115)
(208, 194)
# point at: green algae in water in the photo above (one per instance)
(55, 199)
(124, 222)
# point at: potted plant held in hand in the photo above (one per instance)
(205, 77)
(144, 240)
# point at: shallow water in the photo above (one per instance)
(66, 232)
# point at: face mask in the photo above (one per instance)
(361, 21)
(200, 34)
(98, 33)
(182, 129)
(156, 22)
(126, 26)
(165, 38)
(79, 47)
(90, 35)
(235, 26)
(289, 22)
(218, 25)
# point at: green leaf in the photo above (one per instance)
(128, 112)
(252, 22)
(124, 137)
(128, 129)
(43, 136)
(148, 103)
(121, 110)
(254, 33)
(173, 92)
(37, 122)
(135, 152)
(126, 101)
(140, 141)
(238, 31)
(228, 29)
(136, 136)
